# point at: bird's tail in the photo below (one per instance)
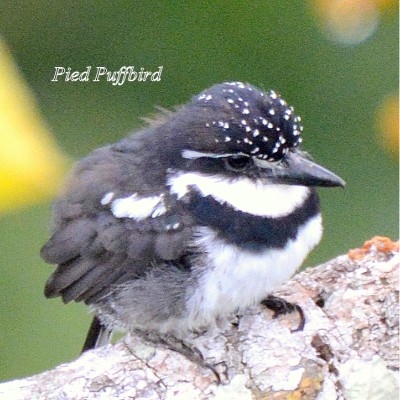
(97, 336)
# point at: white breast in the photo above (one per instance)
(233, 279)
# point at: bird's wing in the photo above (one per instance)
(95, 250)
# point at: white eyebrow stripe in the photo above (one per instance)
(193, 154)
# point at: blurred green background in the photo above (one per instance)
(338, 89)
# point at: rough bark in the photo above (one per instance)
(348, 349)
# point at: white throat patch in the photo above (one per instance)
(243, 194)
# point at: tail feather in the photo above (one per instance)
(98, 335)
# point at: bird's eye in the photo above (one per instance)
(238, 163)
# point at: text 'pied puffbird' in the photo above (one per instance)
(196, 217)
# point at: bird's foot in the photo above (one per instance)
(281, 307)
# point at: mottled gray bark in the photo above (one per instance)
(348, 349)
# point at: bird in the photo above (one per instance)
(205, 211)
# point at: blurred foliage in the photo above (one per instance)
(388, 124)
(338, 89)
(351, 22)
(31, 167)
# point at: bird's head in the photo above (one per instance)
(236, 130)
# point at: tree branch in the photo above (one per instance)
(347, 350)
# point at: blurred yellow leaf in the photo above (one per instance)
(31, 165)
(388, 124)
(351, 22)
(322, 7)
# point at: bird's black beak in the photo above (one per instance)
(296, 169)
